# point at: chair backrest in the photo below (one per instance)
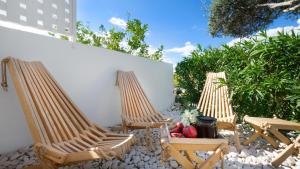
(51, 115)
(135, 103)
(214, 100)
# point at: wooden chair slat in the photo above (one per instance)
(138, 99)
(59, 148)
(74, 111)
(35, 123)
(75, 144)
(127, 100)
(148, 108)
(214, 102)
(88, 139)
(137, 111)
(51, 107)
(46, 119)
(83, 143)
(62, 118)
(134, 106)
(70, 147)
(64, 147)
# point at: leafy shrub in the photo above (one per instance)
(263, 75)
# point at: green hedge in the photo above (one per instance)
(263, 75)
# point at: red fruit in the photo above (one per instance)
(179, 135)
(180, 125)
(175, 130)
(190, 132)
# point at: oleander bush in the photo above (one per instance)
(263, 75)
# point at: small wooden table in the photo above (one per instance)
(264, 126)
(174, 146)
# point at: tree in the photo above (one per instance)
(239, 18)
(131, 41)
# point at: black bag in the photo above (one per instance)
(206, 127)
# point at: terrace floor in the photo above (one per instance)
(258, 155)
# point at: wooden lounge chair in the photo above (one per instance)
(175, 146)
(137, 111)
(266, 126)
(61, 132)
(214, 102)
(289, 150)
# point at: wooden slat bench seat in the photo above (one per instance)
(62, 134)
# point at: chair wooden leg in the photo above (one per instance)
(270, 140)
(237, 141)
(212, 160)
(222, 163)
(179, 157)
(280, 136)
(251, 138)
(37, 166)
(125, 129)
(149, 139)
(42, 165)
(44, 162)
(264, 135)
(193, 157)
(283, 155)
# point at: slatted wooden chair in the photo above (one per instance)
(184, 150)
(61, 132)
(214, 102)
(289, 150)
(137, 111)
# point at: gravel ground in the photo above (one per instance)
(258, 155)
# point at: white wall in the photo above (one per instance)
(86, 73)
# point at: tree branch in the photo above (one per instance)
(282, 4)
(294, 8)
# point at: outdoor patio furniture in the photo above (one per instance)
(62, 134)
(214, 102)
(266, 126)
(289, 150)
(137, 111)
(174, 147)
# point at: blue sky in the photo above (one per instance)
(178, 25)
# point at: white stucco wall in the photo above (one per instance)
(86, 73)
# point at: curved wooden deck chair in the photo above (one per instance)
(289, 150)
(61, 132)
(137, 111)
(214, 102)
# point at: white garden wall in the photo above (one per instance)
(87, 74)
